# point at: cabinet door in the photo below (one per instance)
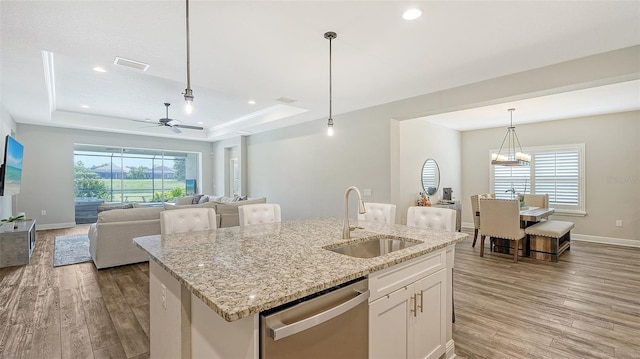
(389, 324)
(430, 322)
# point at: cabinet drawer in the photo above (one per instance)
(389, 279)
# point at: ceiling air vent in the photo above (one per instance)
(130, 63)
(286, 100)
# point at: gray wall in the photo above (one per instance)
(47, 177)
(307, 172)
(612, 153)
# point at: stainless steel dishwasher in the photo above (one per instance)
(331, 324)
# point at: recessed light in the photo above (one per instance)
(252, 102)
(411, 14)
(84, 106)
(99, 69)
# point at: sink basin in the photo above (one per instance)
(374, 247)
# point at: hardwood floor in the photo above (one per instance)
(585, 306)
(73, 311)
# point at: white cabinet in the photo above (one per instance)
(409, 322)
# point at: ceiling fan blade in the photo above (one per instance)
(173, 122)
(175, 129)
(190, 127)
(143, 121)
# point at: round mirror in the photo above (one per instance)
(430, 176)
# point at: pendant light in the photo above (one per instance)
(188, 92)
(330, 35)
(512, 156)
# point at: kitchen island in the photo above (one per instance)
(207, 288)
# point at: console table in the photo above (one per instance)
(456, 206)
(17, 241)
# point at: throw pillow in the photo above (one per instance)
(196, 198)
(203, 199)
(242, 198)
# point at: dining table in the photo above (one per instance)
(531, 215)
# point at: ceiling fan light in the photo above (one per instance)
(330, 127)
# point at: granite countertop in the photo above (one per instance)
(241, 271)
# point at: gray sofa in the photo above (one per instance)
(226, 207)
(111, 237)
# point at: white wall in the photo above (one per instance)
(7, 126)
(47, 175)
(420, 140)
(612, 146)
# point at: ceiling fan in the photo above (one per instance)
(175, 125)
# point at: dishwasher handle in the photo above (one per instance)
(279, 332)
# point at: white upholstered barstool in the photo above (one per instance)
(187, 220)
(443, 219)
(379, 212)
(259, 213)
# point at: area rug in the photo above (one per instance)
(71, 249)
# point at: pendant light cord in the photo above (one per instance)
(188, 52)
(330, 81)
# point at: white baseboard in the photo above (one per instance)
(606, 240)
(451, 350)
(54, 225)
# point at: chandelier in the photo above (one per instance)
(513, 154)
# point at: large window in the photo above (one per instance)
(555, 170)
(134, 175)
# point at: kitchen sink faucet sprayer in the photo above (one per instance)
(346, 229)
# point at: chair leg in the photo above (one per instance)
(482, 245)
(475, 237)
(515, 251)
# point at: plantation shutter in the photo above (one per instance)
(558, 174)
(555, 170)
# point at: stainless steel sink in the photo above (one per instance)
(374, 247)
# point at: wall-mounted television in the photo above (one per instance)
(11, 170)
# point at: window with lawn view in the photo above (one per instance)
(132, 175)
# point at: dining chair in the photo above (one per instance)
(443, 219)
(475, 210)
(500, 218)
(187, 220)
(259, 213)
(379, 212)
(537, 200)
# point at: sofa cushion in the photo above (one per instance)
(202, 205)
(232, 207)
(133, 214)
(109, 206)
(181, 201)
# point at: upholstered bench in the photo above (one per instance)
(549, 239)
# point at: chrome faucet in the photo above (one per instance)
(346, 229)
